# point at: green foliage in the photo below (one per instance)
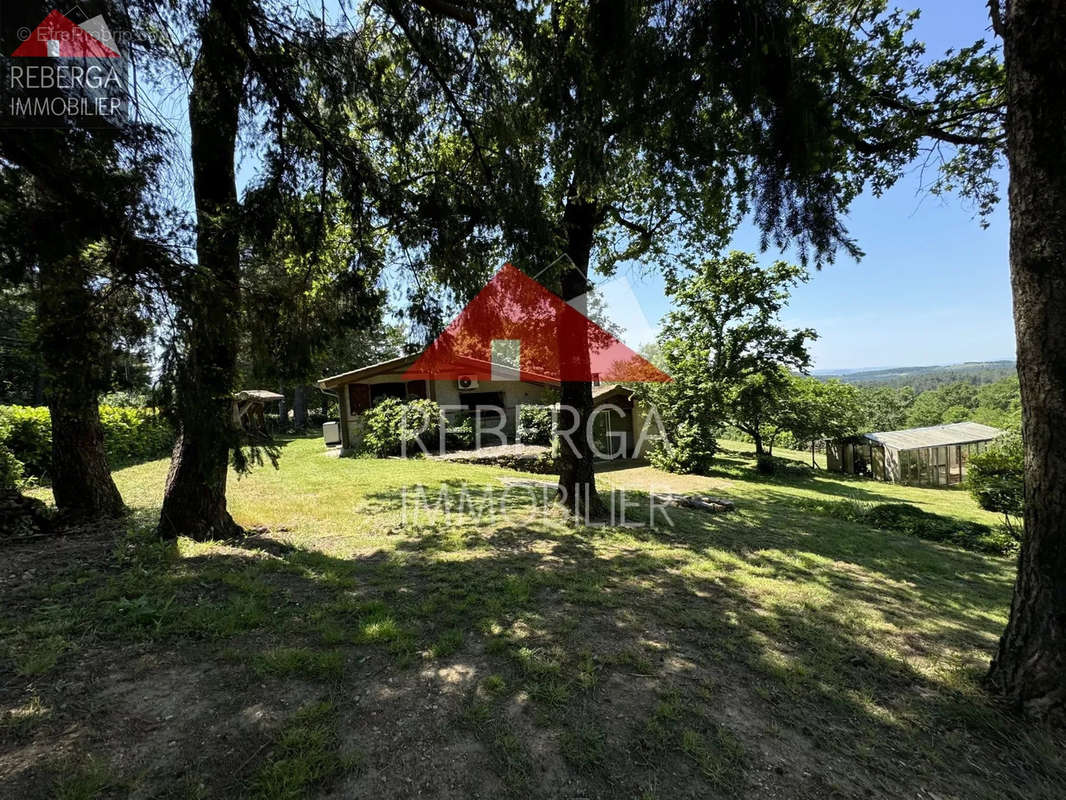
(757, 405)
(911, 520)
(459, 433)
(11, 469)
(767, 464)
(998, 404)
(996, 477)
(130, 435)
(691, 449)
(815, 409)
(923, 379)
(536, 425)
(886, 409)
(134, 434)
(916, 522)
(728, 355)
(28, 435)
(393, 424)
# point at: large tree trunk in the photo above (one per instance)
(577, 475)
(299, 407)
(1029, 669)
(194, 503)
(75, 349)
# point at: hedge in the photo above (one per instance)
(913, 521)
(130, 435)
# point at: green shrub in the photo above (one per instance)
(125, 400)
(925, 525)
(134, 434)
(913, 521)
(535, 425)
(392, 423)
(11, 469)
(29, 436)
(459, 434)
(765, 464)
(691, 450)
(130, 435)
(996, 477)
(775, 465)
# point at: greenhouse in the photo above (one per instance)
(935, 456)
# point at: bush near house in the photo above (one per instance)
(460, 433)
(691, 451)
(130, 435)
(392, 422)
(536, 425)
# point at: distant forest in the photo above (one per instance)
(922, 379)
(917, 397)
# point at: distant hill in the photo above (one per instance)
(924, 378)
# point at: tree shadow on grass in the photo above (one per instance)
(750, 653)
(869, 719)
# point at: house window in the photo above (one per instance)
(379, 391)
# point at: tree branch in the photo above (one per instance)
(450, 10)
(995, 11)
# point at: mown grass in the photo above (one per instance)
(771, 650)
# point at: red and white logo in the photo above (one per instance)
(546, 339)
(58, 37)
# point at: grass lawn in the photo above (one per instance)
(351, 647)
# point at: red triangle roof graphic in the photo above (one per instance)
(556, 342)
(74, 41)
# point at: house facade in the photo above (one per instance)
(470, 394)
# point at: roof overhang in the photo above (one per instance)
(400, 365)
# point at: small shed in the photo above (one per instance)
(934, 456)
(248, 406)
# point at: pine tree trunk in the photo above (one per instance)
(577, 474)
(1029, 669)
(194, 503)
(75, 349)
(299, 408)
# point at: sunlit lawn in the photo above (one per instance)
(355, 649)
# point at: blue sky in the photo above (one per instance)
(933, 288)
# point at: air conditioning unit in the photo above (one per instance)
(466, 383)
(331, 432)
